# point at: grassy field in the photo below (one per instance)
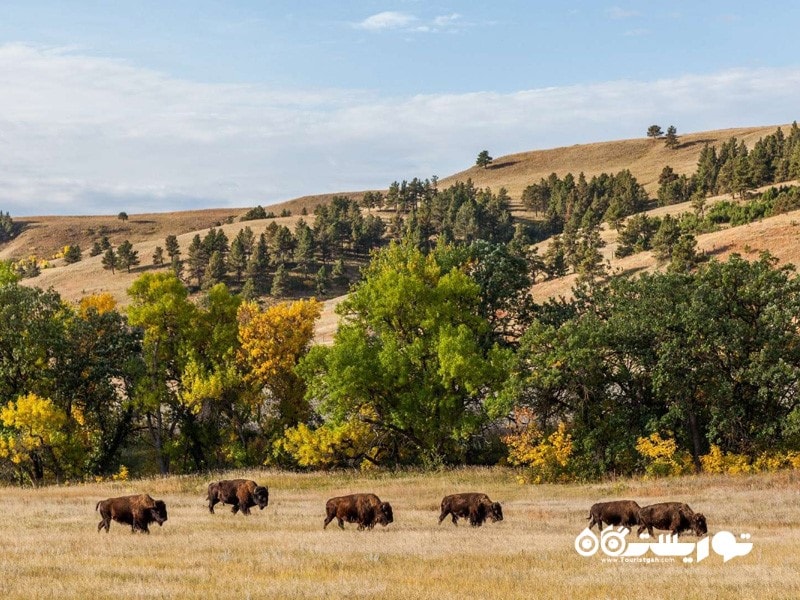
(50, 548)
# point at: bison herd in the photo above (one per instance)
(675, 517)
(367, 510)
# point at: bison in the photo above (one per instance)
(673, 516)
(475, 506)
(364, 509)
(616, 512)
(138, 511)
(241, 493)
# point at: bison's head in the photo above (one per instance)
(699, 525)
(385, 515)
(496, 512)
(261, 496)
(159, 513)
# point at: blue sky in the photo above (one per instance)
(153, 106)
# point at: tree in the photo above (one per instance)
(122, 216)
(237, 257)
(418, 372)
(172, 247)
(158, 256)
(273, 341)
(654, 131)
(72, 254)
(160, 307)
(215, 271)
(279, 282)
(671, 139)
(483, 160)
(127, 257)
(109, 260)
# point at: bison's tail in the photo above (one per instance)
(97, 506)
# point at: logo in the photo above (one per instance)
(667, 549)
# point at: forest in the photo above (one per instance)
(441, 356)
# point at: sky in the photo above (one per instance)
(154, 105)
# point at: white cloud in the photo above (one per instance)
(391, 20)
(386, 20)
(80, 134)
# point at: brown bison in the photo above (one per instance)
(673, 516)
(364, 509)
(241, 493)
(477, 507)
(138, 511)
(616, 512)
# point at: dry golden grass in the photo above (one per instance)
(644, 157)
(51, 549)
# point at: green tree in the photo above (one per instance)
(72, 254)
(416, 372)
(483, 160)
(127, 257)
(122, 216)
(160, 307)
(109, 260)
(172, 247)
(158, 256)
(280, 282)
(671, 139)
(215, 271)
(654, 131)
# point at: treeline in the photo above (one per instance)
(571, 204)
(440, 359)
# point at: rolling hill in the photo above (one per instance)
(645, 158)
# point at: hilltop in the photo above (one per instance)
(645, 158)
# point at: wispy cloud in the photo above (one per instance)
(386, 20)
(391, 20)
(92, 135)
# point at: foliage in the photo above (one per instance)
(348, 444)
(254, 213)
(662, 458)
(545, 457)
(654, 131)
(483, 160)
(422, 368)
(35, 439)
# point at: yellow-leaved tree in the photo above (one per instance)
(102, 303)
(35, 438)
(272, 341)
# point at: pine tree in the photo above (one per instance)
(671, 139)
(237, 258)
(215, 271)
(158, 256)
(127, 257)
(173, 249)
(654, 131)
(109, 260)
(279, 282)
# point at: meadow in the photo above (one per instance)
(50, 547)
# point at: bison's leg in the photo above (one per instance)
(341, 522)
(235, 508)
(105, 522)
(329, 515)
(591, 520)
(211, 503)
(443, 516)
(244, 502)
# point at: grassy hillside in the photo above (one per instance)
(44, 236)
(51, 547)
